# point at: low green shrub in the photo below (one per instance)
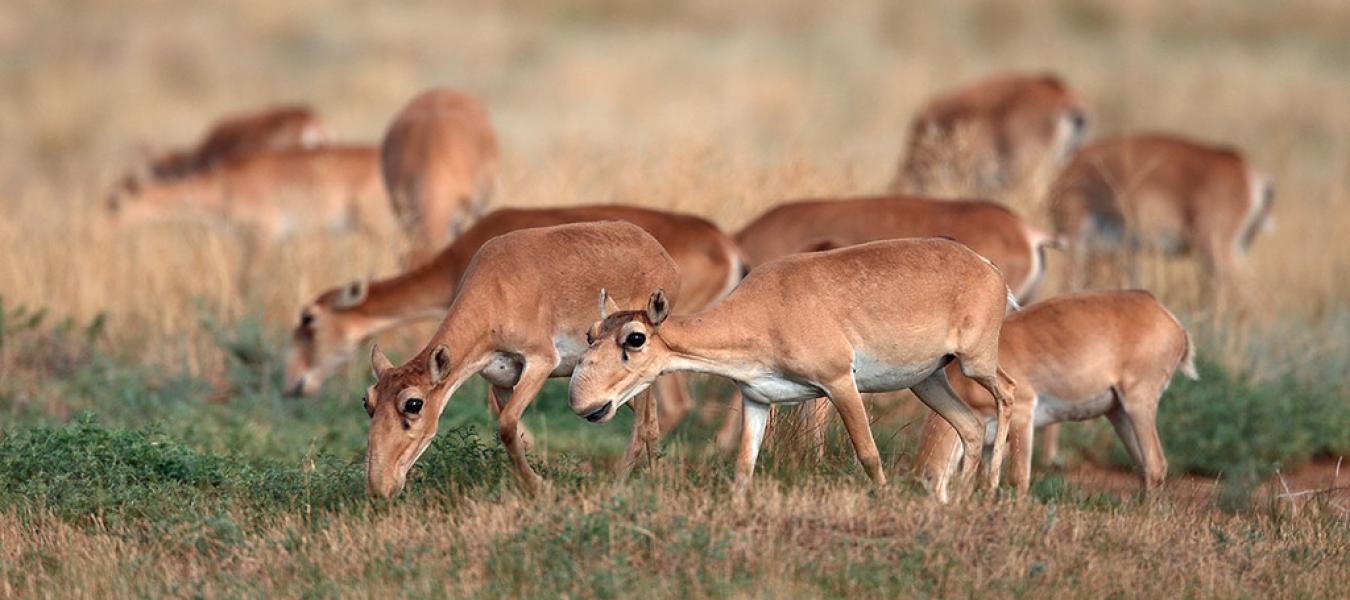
(1226, 423)
(87, 472)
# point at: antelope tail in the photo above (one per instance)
(1188, 360)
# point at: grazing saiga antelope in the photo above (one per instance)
(875, 317)
(341, 319)
(992, 230)
(440, 165)
(237, 136)
(988, 137)
(1160, 192)
(1075, 357)
(270, 195)
(521, 315)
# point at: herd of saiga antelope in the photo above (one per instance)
(823, 298)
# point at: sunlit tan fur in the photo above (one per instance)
(1074, 358)
(1160, 192)
(440, 166)
(240, 135)
(989, 136)
(520, 316)
(271, 195)
(868, 318)
(992, 230)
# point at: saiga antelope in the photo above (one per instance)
(236, 136)
(986, 138)
(440, 165)
(992, 230)
(1075, 357)
(1160, 192)
(270, 195)
(334, 324)
(520, 316)
(875, 317)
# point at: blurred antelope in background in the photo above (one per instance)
(991, 136)
(236, 136)
(439, 157)
(1074, 358)
(875, 317)
(521, 315)
(1158, 192)
(269, 196)
(995, 232)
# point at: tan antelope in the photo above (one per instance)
(339, 320)
(270, 195)
(236, 136)
(1075, 357)
(520, 316)
(988, 137)
(440, 165)
(874, 317)
(1164, 193)
(992, 230)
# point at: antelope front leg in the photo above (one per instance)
(848, 402)
(1049, 440)
(646, 433)
(532, 379)
(1021, 439)
(937, 393)
(672, 392)
(498, 397)
(938, 455)
(754, 417)
(731, 423)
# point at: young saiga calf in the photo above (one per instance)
(520, 316)
(875, 317)
(1074, 358)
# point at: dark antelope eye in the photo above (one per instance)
(365, 403)
(306, 320)
(590, 339)
(635, 340)
(412, 406)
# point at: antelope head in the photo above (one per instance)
(325, 337)
(404, 406)
(124, 191)
(626, 354)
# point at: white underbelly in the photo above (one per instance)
(1050, 409)
(775, 389)
(873, 375)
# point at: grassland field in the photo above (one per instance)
(145, 448)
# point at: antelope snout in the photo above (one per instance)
(298, 389)
(384, 486)
(598, 414)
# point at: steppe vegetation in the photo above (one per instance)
(145, 447)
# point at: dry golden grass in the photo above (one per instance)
(711, 109)
(667, 538)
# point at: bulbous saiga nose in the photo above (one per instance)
(598, 414)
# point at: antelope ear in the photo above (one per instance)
(658, 307)
(353, 294)
(379, 363)
(438, 364)
(607, 305)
